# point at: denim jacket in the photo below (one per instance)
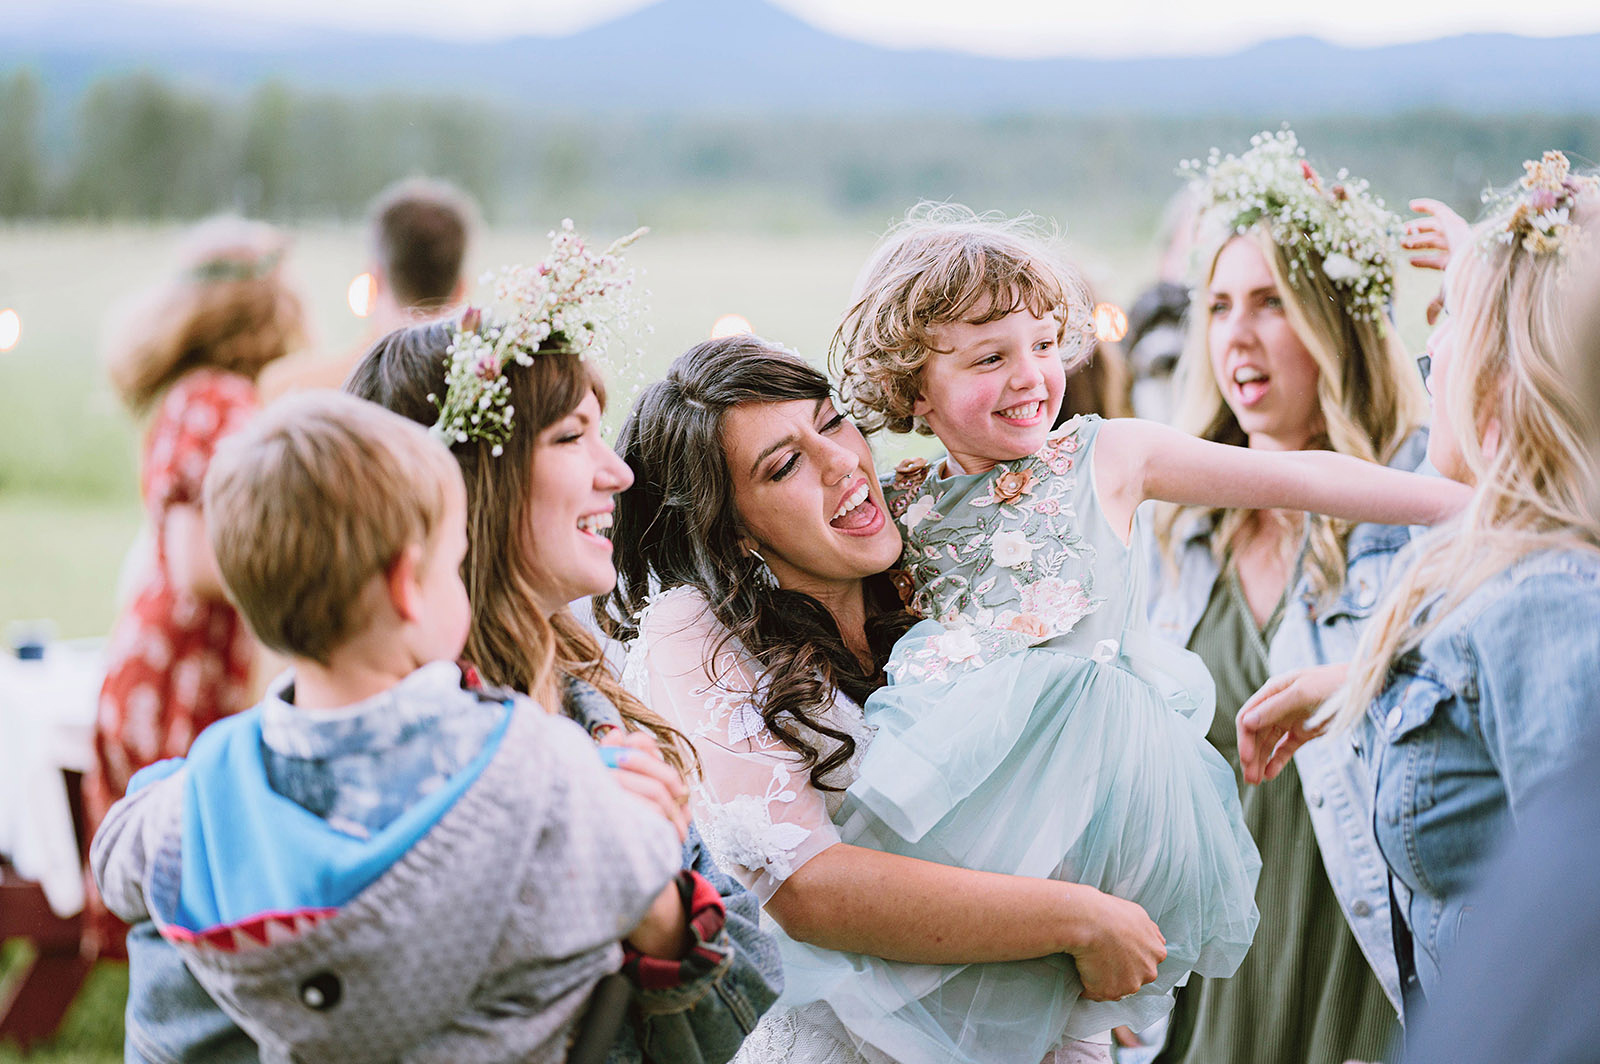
(171, 1020)
(703, 1020)
(1484, 710)
(1333, 777)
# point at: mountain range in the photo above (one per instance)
(741, 57)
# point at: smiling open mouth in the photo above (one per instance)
(595, 524)
(1023, 411)
(856, 509)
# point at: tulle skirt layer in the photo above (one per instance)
(1043, 763)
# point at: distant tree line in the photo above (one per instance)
(141, 146)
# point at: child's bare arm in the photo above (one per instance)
(1138, 460)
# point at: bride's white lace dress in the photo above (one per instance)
(754, 804)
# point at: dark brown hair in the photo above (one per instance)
(512, 643)
(420, 231)
(677, 527)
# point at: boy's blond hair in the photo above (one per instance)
(315, 497)
(946, 264)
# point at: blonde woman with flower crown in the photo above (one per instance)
(1477, 672)
(1291, 349)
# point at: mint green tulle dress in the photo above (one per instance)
(1032, 727)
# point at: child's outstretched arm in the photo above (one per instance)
(1138, 460)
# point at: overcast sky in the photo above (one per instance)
(999, 27)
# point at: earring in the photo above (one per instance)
(763, 572)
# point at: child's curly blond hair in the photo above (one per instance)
(946, 264)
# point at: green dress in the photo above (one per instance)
(1304, 993)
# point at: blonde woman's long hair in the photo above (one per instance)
(1515, 326)
(1368, 393)
(230, 308)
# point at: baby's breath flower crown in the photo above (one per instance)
(1538, 209)
(1343, 225)
(576, 301)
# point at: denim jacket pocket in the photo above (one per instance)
(1407, 717)
(1371, 551)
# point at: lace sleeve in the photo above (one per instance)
(754, 804)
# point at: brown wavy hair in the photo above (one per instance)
(678, 527)
(229, 308)
(511, 642)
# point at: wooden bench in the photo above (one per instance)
(34, 1000)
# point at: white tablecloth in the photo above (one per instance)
(47, 714)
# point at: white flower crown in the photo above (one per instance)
(1538, 208)
(577, 297)
(1342, 228)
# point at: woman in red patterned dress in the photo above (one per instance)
(179, 656)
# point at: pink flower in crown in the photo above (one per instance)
(1063, 602)
(1543, 199)
(487, 367)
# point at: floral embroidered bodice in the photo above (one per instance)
(754, 802)
(1018, 556)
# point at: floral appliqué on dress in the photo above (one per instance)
(1005, 566)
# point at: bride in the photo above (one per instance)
(752, 555)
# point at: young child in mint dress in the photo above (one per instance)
(1030, 725)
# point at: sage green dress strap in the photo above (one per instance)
(1304, 993)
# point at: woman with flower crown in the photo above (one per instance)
(519, 402)
(1292, 349)
(1476, 673)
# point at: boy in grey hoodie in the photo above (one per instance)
(377, 863)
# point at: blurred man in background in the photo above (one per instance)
(419, 231)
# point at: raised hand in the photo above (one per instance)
(1433, 236)
(1278, 719)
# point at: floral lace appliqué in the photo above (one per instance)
(1011, 557)
(741, 830)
